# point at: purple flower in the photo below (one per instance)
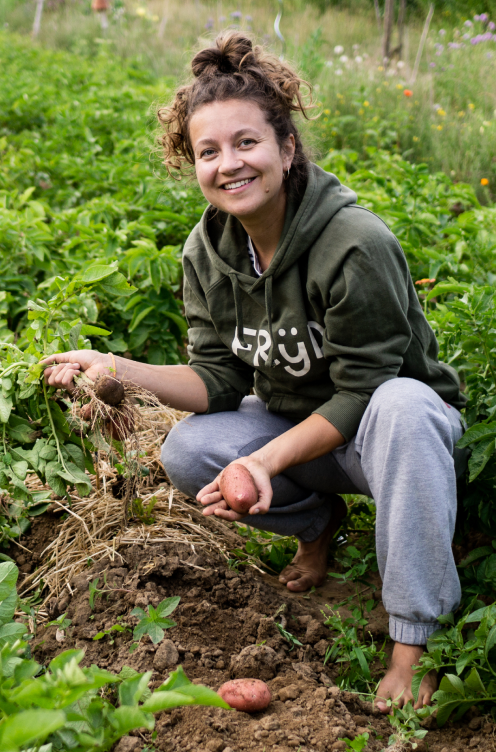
(442, 32)
(468, 24)
(455, 45)
(236, 14)
(439, 47)
(210, 24)
(477, 18)
(491, 26)
(222, 19)
(475, 40)
(432, 65)
(484, 17)
(466, 36)
(249, 19)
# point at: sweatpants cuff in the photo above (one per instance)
(411, 633)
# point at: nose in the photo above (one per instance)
(230, 162)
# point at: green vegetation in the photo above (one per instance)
(69, 707)
(90, 249)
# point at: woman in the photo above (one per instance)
(294, 290)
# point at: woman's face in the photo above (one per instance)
(239, 164)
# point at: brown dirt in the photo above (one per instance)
(225, 629)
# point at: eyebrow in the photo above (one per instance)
(237, 134)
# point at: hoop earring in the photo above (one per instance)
(287, 173)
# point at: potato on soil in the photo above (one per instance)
(247, 695)
(238, 487)
(110, 390)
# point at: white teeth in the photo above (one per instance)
(229, 186)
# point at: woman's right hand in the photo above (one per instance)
(72, 363)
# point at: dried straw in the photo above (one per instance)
(93, 528)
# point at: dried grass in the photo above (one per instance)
(94, 526)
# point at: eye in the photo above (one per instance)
(247, 142)
(207, 152)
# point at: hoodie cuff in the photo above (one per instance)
(345, 412)
(221, 397)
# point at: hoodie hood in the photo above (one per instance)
(306, 217)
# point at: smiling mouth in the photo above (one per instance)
(237, 184)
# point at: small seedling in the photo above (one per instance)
(110, 630)
(60, 622)
(95, 592)
(407, 721)
(289, 637)
(144, 512)
(155, 622)
(358, 743)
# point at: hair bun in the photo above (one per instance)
(231, 53)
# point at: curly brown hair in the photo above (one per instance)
(234, 69)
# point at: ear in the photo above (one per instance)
(288, 152)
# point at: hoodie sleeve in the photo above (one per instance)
(227, 378)
(367, 331)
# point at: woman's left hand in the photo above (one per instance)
(214, 503)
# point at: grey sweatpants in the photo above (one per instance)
(403, 456)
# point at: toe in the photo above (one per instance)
(304, 582)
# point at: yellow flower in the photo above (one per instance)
(337, 112)
(326, 120)
(366, 104)
(440, 127)
(484, 181)
(386, 83)
(140, 11)
(461, 113)
(416, 101)
(378, 90)
(375, 119)
(399, 86)
(361, 112)
(441, 112)
(327, 112)
(380, 68)
(334, 133)
(415, 138)
(340, 96)
(471, 106)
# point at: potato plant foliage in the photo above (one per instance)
(66, 707)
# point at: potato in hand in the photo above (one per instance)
(238, 488)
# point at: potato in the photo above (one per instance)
(238, 487)
(247, 695)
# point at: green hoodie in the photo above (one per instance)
(333, 317)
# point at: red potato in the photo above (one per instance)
(238, 488)
(247, 695)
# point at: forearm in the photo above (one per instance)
(310, 439)
(177, 386)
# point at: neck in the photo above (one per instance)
(265, 229)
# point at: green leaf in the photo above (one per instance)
(88, 330)
(8, 579)
(477, 553)
(164, 700)
(476, 433)
(29, 726)
(8, 607)
(363, 663)
(52, 474)
(138, 317)
(490, 643)
(480, 456)
(131, 690)
(74, 335)
(97, 272)
(168, 605)
(474, 682)
(452, 683)
(5, 408)
(127, 718)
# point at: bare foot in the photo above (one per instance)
(396, 685)
(309, 566)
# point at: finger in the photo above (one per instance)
(265, 494)
(213, 508)
(69, 357)
(228, 514)
(212, 498)
(208, 489)
(61, 372)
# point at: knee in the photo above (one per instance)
(404, 398)
(180, 457)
